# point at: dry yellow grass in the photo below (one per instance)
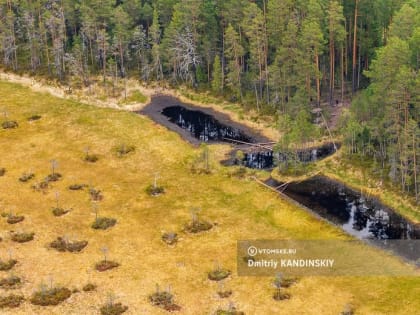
(242, 209)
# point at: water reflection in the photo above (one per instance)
(203, 126)
(359, 216)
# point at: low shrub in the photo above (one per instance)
(279, 295)
(113, 309)
(58, 212)
(13, 219)
(11, 282)
(105, 265)
(9, 124)
(92, 158)
(22, 237)
(7, 265)
(11, 301)
(155, 190)
(61, 245)
(2, 171)
(54, 177)
(95, 195)
(77, 186)
(34, 117)
(198, 226)
(170, 238)
(124, 149)
(103, 223)
(53, 296)
(26, 177)
(224, 294)
(218, 274)
(230, 311)
(41, 186)
(164, 300)
(89, 287)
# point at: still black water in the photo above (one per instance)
(363, 217)
(207, 128)
(203, 126)
(269, 159)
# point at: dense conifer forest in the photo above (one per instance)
(278, 57)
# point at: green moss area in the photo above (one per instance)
(241, 208)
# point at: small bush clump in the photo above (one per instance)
(113, 309)
(95, 194)
(281, 282)
(218, 274)
(103, 223)
(153, 190)
(11, 282)
(9, 124)
(58, 212)
(53, 296)
(26, 177)
(224, 294)
(105, 265)
(34, 117)
(198, 226)
(2, 171)
(22, 237)
(53, 177)
(7, 265)
(89, 287)
(124, 149)
(13, 219)
(170, 238)
(230, 311)
(77, 186)
(164, 299)
(63, 245)
(92, 158)
(11, 301)
(41, 186)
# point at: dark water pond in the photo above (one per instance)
(207, 128)
(269, 159)
(203, 126)
(358, 215)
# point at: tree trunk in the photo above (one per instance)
(354, 47)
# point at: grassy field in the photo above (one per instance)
(241, 208)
